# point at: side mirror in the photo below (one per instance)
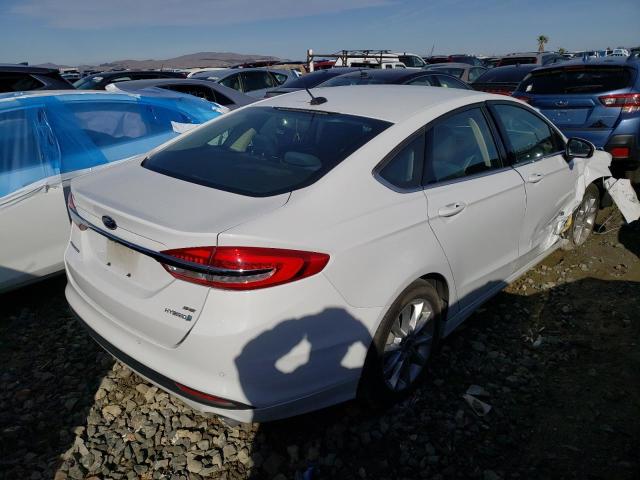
(578, 148)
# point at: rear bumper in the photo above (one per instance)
(297, 349)
(623, 161)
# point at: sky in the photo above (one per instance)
(74, 32)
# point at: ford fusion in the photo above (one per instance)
(307, 250)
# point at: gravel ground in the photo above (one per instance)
(556, 356)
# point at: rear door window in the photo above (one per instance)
(577, 79)
(529, 137)
(459, 146)
(264, 151)
(404, 170)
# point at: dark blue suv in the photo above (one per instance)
(598, 100)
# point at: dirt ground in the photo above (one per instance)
(557, 353)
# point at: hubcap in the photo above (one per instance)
(408, 345)
(584, 219)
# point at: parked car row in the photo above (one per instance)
(314, 246)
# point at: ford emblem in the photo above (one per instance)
(109, 222)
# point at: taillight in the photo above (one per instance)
(242, 268)
(521, 98)
(73, 211)
(619, 152)
(629, 102)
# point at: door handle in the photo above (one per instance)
(535, 177)
(452, 209)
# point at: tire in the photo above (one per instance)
(584, 218)
(395, 363)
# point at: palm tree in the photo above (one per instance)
(542, 40)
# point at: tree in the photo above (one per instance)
(542, 40)
(562, 51)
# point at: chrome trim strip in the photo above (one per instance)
(168, 259)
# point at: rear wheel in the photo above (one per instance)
(402, 346)
(584, 218)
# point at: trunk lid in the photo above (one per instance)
(577, 112)
(570, 96)
(155, 212)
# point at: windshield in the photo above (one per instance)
(87, 83)
(412, 61)
(264, 151)
(577, 79)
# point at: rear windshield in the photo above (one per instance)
(456, 72)
(362, 79)
(313, 79)
(264, 151)
(499, 75)
(518, 61)
(577, 79)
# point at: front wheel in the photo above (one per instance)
(402, 345)
(584, 218)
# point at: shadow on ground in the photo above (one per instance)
(567, 408)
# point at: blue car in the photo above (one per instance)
(595, 99)
(48, 138)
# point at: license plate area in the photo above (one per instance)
(121, 259)
(568, 116)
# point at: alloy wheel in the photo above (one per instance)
(408, 345)
(585, 218)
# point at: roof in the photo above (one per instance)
(10, 67)
(162, 97)
(228, 71)
(616, 61)
(436, 66)
(115, 73)
(392, 103)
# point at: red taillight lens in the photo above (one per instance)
(524, 99)
(629, 102)
(243, 268)
(71, 205)
(619, 152)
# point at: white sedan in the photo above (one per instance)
(303, 250)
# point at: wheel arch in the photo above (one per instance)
(439, 282)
